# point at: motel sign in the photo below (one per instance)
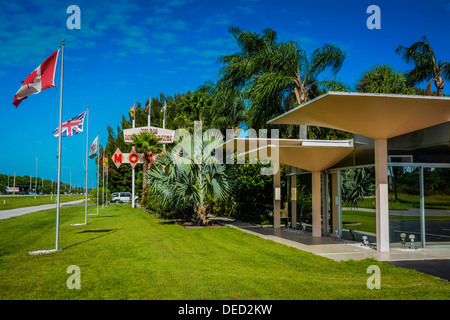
(133, 158)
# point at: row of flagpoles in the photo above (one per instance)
(148, 107)
(43, 77)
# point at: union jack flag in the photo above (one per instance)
(71, 127)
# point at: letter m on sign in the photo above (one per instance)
(117, 158)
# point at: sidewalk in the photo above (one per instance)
(5, 214)
(332, 248)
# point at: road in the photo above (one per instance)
(5, 214)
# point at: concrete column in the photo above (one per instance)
(276, 196)
(382, 199)
(294, 201)
(316, 205)
(334, 203)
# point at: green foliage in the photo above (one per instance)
(253, 193)
(427, 67)
(183, 180)
(357, 184)
(101, 199)
(384, 79)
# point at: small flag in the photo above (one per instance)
(93, 149)
(163, 108)
(71, 127)
(132, 111)
(147, 106)
(43, 77)
(105, 160)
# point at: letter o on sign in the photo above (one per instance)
(134, 158)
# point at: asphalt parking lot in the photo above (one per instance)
(439, 268)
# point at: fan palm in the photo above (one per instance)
(184, 180)
(426, 66)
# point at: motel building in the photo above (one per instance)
(397, 135)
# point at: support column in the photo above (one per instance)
(334, 202)
(294, 201)
(316, 205)
(382, 199)
(276, 196)
(325, 207)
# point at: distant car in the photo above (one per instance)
(23, 192)
(122, 196)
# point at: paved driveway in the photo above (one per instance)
(439, 268)
(5, 214)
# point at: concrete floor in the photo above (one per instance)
(334, 249)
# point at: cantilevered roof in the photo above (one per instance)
(311, 155)
(372, 115)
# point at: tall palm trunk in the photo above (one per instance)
(439, 83)
(301, 95)
(144, 170)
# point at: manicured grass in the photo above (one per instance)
(13, 202)
(405, 201)
(128, 254)
(367, 220)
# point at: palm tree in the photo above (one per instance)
(384, 79)
(278, 76)
(185, 183)
(357, 184)
(148, 144)
(426, 66)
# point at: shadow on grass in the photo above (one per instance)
(100, 230)
(105, 231)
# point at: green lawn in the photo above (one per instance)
(367, 220)
(405, 201)
(128, 254)
(14, 202)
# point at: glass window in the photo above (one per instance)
(437, 206)
(404, 207)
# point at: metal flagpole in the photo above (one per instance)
(149, 110)
(59, 147)
(35, 180)
(103, 183)
(107, 174)
(87, 161)
(164, 121)
(98, 167)
(59, 160)
(132, 170)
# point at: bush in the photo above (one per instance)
(93, 195)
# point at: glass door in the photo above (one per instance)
(404, 207)
(437, 206)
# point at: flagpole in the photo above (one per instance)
(59, 147)
(103, 183)
(107, 174)
(149, 110)
(132, 170)
(98, 167)
(87, 161)
(164, 121)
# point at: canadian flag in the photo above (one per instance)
(41, 78)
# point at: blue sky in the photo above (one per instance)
(128, 51)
